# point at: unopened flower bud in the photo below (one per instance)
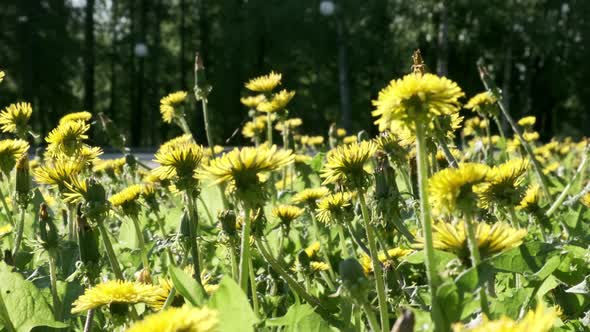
(227, 220)
(202, 86)
(47, 229)
(23, 182)
(143, 276)
(88, 242)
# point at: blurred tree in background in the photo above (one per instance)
(120, 56)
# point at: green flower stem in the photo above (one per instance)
(19, 232)
(89, 320)
(192, 226)
(476, 260)
(5, 317)
(207, 120)
(181, 121)
(207, 212)
(297, 289)
(6, 208)
(421, 155)
(448, 155)
(234, 259)
(160, 222)
(370, 316)
(169, 299)
(109, 249)
(513, 219)
(491, 88)
(255, 305)
(503, 136)
(53, 282)
(567, 188)
(328, 280)
(285, 146)
(343, 248)
(245, 250)
(141, 240)
(381, 292)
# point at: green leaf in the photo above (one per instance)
(187, 286)
(448, 296)
(300, 317)
(127, 236)
(510, 302)
(548, 284)
(551, 265)
(442, 258)
(317, 162)
(235, 313)
(527, 258)
(581, 288)
(26, 305)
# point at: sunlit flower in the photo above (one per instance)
(68, 138)
(585, 200)
(254, 128)
(111, 167)
(117, 292)
(490, 239)
(57, 173)
(309, 196)
(287, 213)
(279, 101)
(184, 319)
(416, 97)
(289, 124)
(319, 266)
(483, 103)
(349, 139)
(340, 132)
(127, 199)
(77, 116)
(5, 230)
(169, 105)
(312, 141)
(264, 83)
(393, 255)
(541, 319)
(530, 201)
(527, 122)
(11, 150)
(451, 189)
(313, 249)
(346, 163)
(1, 76)
(241, 167)
(474, 126)
(89, 154)
(332, 207)
(15, 118)
(179, 163)
(252, 101)
(502, 186)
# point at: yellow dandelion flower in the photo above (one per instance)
(349, 139)
(127, 199)
(112, 167)
(76, 116)
(527, 121)
(242, 166)
(530, 201)
(11, 150)
(313, 249)
(252, 101)
(312, 141)
(302, 158)
(178, 162)
(585, 200)
(452, 188)
(289, 124)
(416, 97)
(319, 266)
(15, 118)
(502, 184)
(539, 320)
(77, 190)
(1, 76)
(5, 230)
(483, 103)
(474, 126)
(57, 173)
(287, 213)
(89, 154)
(279, 101)
(309, 196)
(184, 319)
(68, 138)
(490, 239)
(117, 292)
(392, 256)
(340, 132)
(331, 208)
(169, 105)
(347, 163)
(552, 167)
(264, 83)
(253, 129)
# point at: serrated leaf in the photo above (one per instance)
(301, 317)
(26, 306)
(187, 286)
(235, 313)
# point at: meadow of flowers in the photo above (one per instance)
(436, 224)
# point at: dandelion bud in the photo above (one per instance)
(143, 276)
(97, 203)
(202, 87)
(227, 220)
(23, 181)
(184, 225)
(131, 161)
(47, 230)
(88, 242)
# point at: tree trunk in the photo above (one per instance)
(89, 56)
(442, 63)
